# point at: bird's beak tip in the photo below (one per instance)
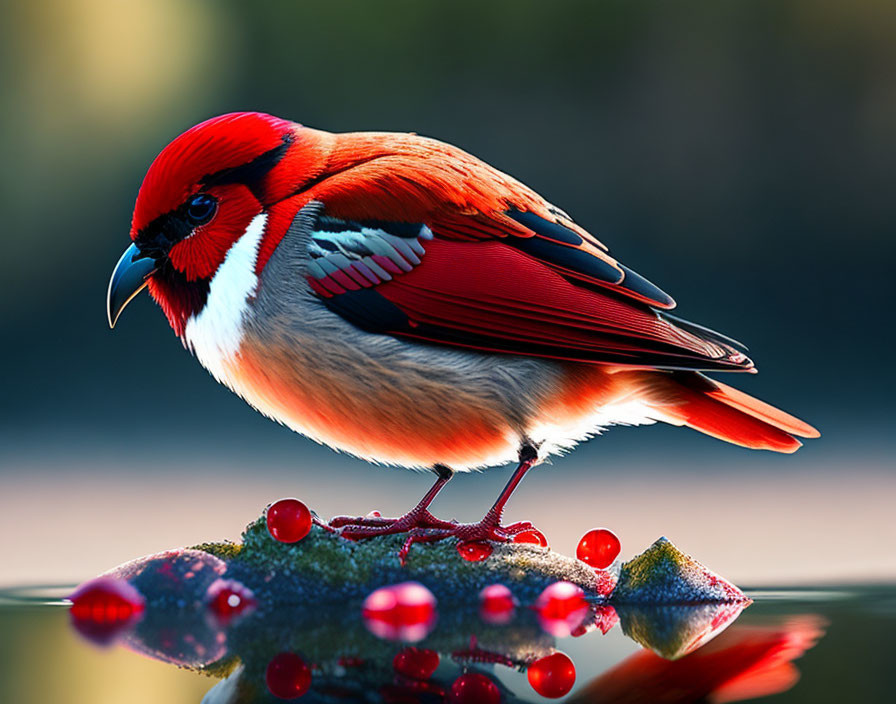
(128, 279)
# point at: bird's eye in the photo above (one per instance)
(200, 209)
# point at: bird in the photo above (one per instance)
(398, 299)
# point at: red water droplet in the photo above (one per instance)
(553, 675)
(497, 604)
(474, 688)
(227, 598)
(598, 548)
(561, 608)
(287, 676)
(405, 611)
(289, 520)
(416, 663)
(474, 550)
(536, 537)
(374, 514)
(103, 607)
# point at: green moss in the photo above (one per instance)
(224, 551)
(654, 564)
(663, 574)
(220, 668)
(335, 567)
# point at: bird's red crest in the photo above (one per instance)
(223, 142)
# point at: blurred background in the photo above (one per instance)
(740, 154)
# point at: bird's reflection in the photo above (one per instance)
(333, 652)
(745, 662)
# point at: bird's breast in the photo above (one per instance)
(398, 413)
(215, 334)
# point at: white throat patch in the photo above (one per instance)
(214, 335)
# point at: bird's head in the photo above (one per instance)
(200, 195)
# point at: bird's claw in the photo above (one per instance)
(423, 527)
(418, 535)
(365, 527)
(516, 528)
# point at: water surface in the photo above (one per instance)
(789, 645)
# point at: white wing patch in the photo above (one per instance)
(214, 335)
(346, 256)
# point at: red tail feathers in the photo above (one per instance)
(691, 399)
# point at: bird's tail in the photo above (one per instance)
(704, 404)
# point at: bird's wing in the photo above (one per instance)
(437, 246)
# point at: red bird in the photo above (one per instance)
(397, 298)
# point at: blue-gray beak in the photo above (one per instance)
(129, 278)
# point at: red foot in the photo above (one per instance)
(422, 527)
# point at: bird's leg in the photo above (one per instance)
(422, 527)
(528, 459)
(418, 517)
(490, 528)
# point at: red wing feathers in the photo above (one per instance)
(492, 292)
(406, 178)
(506, 270)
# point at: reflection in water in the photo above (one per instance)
(553, 675)
(745, 662)
(104, 607)
(673, 631)
(402, 612)
(287, 676)
(497, 605)
(561, 609)
(359, 650)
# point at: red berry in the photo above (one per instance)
(553, 675)
(289, 520)
(474, 550)
(104, 607)
(561, 608)
(496, 604)
(227, 598)
(416, 663)
(405, 611)
(599, 548)
(287, 676)
(474, 688)
(106, 600)
(536, 537)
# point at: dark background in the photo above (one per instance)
(740, 154)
